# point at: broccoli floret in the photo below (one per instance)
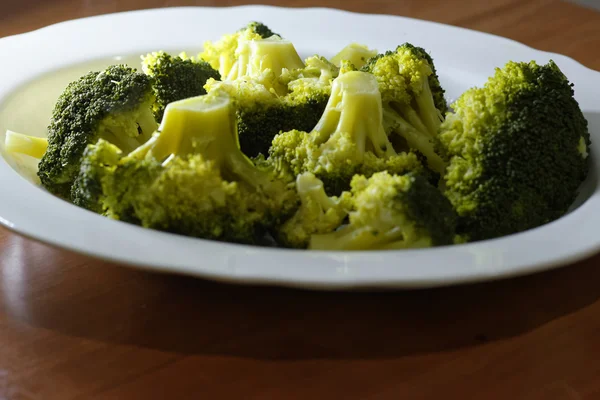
(221, 54)
(356, 54)
(176, 78)
(518, 151)
(189, 178)
(248, 53)
(114, 105)
(260, 29)
(317, 214)
(99, 160)
(348, 139)
(413, 98)
(262, 114)
(392, 212)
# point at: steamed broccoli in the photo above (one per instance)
(348, 139)
(356, 54)
(187, 196)
(32, 146)
(176, 78)
(221, 54)
(98, 160)
(518, 149)
(262, 114)
(317, 214)
(190, 178)
(414, 104)
(114, 104)
(249, 53)
(392, 212)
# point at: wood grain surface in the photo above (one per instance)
(76, 328)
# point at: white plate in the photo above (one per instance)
(464, 58)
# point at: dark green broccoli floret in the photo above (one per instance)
(114, 104)
(392, 212)
(97, 161)
(348, 139)
(518, 151)
(190, 178)
(176, 78)
(413, 98)
(260, 29)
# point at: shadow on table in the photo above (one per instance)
(189, 316)
(103, 302)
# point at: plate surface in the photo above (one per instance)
(40, 70)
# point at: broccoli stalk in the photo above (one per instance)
(317, 214)
(262, 113)
(24, 144)
(413, 98)
(190, 178)
(356, 54)
(206, 125)
(254, 57)
(354, 107)
(392, 212)
(114, 105)
(348, 139)
(221, 54)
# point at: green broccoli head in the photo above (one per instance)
(188, 196)
(98, 160)
(317, 214)
(246, 53)
(114, 105)
(260, 29)
(176, 78)
(392, 212)
(349, 138)
(262, 113)
(190, 178)
(206, 126)
(221, 54)
(413, 98)
(518, 149)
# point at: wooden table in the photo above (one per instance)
(76, 328)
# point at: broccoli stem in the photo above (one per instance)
(412, 117)
(256, 56)
(147, 124)
(123, 142)
(430, 115)
(24, 144)
(415, 139)
(204, 125)
(310, 187)
(355, 106)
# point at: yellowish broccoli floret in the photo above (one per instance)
(317, 214)
(348, 139)
(392, 212)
